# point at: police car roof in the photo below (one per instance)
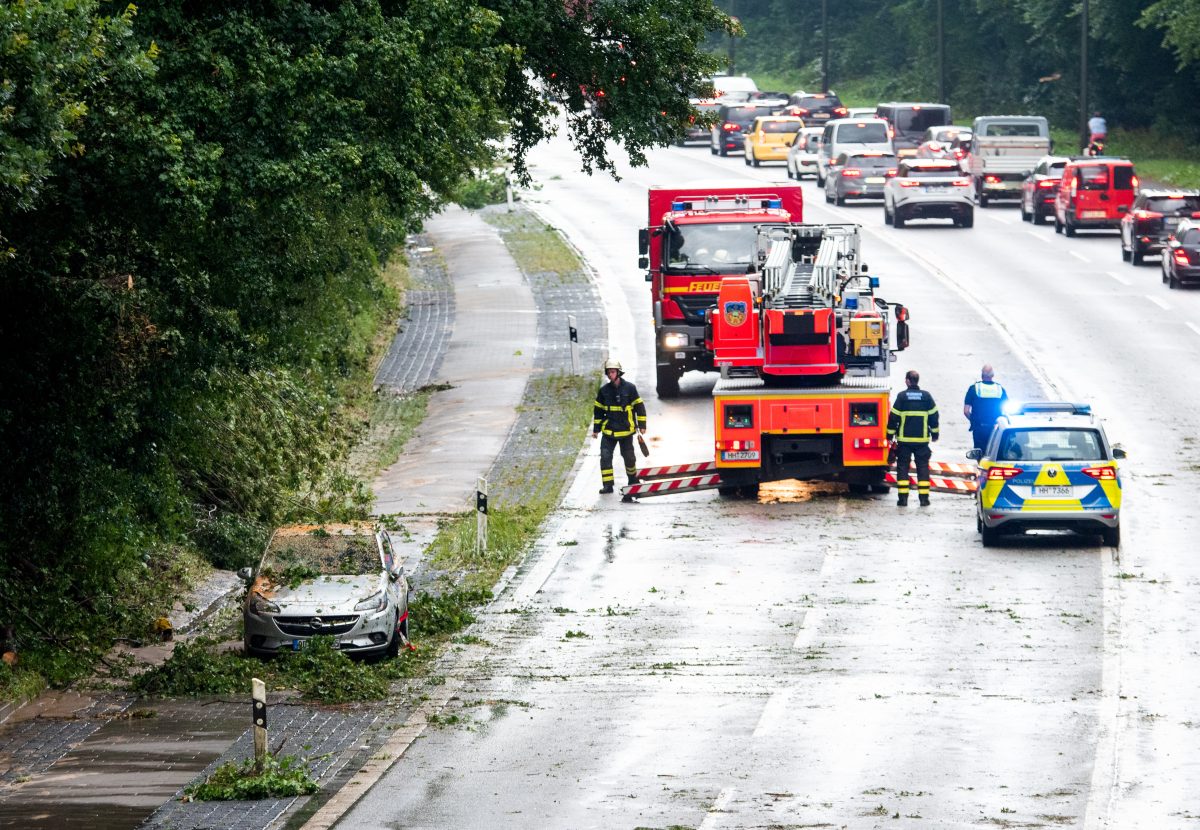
(1032, 413)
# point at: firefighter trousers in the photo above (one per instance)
(608, 443)
(907, 452)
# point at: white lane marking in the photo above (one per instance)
(717, 808)
(809, 624)
(1194, 327)
(1037, 235)
(1004, 220)
(1160, 303)
(773, 712)
(1118, 278)
(1079, 256)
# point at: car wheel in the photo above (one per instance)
(668, 382)
(991, 536)
(1136, 256)
(393, 646)
(746, 158)
(978, 522)
(1172, 282)
(1124, 253)
(791, 175)
(1038, 218)
(712, 149)
(1025, 215)
(897, 218)
(828, 198)
(1068, 228)
(820, 179)
(840, 201)
(983, 198)
(1163, 269)
(1111, 536)
(723, 152)
(755, 160)
(968, 220)
(1057, 224)
(887, 215)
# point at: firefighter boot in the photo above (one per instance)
(923, 498)
(606, 489)
(902, 500)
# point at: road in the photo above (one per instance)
(815, 659)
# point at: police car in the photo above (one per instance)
(1048, 465)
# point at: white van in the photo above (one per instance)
(732, 83)
(851, 136)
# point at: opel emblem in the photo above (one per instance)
(316, 623)
(1052, 473)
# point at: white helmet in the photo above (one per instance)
(613, 364)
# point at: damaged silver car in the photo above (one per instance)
(342, 581)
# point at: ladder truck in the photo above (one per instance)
(804, 347)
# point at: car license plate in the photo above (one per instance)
(740, 455)
(1057, 492)
(876, 180)
(1092, 214)
(296, 645)
(1170, 221)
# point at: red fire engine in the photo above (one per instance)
(697, 236)
(802, 343)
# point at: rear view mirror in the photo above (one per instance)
(644, 262)
(643, 242)
(1119, 452)
(974, 454)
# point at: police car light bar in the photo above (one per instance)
(1053, 406)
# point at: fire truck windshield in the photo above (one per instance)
(713, 248)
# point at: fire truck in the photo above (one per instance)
(696, 236)
(804, 348)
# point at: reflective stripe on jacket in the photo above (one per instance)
(619, 410)
(914, 417)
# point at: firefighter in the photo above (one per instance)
(912, 424)
(619, 412)
(983, 404)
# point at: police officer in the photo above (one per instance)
(618, 412)
(983, 404)
(912, 424)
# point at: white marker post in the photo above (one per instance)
(258, 694)
(573, 333)
(481, 517)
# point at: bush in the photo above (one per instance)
(279, 778)
(322, 673)
(481, 190)
(230, 541)
(197, 669)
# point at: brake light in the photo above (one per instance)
(891, 174)
(841, 111)
(730, 127)
(1100, 473)
(1181, 257)
(962, 182)
(851, 173)
(958, 154)
(1046, 184)
(1136, 183)
(1146, 214)
(800, 110)
(1003, 473)
(909, 183)
(992, 179)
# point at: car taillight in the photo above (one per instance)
(891, 173)
(1046, 184)
(962, 182)
(992, 179)
(851, 174)
(958, 154)
(1181, 257)
(730, 127)
(1003, 473)
(1136, 182)
(909, 183)
(841, 112)
(1146, 214)
(1100, 473)
(799, 111)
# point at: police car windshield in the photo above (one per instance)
(1050, 444)
(714, 248)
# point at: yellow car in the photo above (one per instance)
(769, 138)
(1049, 465)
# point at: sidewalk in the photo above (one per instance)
(107, 761)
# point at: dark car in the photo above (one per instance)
(1181, 257)
(698, 130)
(815, 107)
(1152, 218)
(859, 176)
(1040, 188)
(909, 122)
(733, 120)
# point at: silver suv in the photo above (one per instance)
(928, 189)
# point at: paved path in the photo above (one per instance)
(487, 363)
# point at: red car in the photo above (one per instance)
(1040, 189)
(1154, 216)
(1095, 193)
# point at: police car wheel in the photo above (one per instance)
(991, 537)
(1111, 536)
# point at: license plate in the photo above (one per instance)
(740, 455)
(1092, 214)
(296, 645)
(1052, 491)
(876, 180)
(1170, 221)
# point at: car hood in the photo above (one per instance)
(327, 594)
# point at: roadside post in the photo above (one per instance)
(481, 517)
(573, 333)
(258, 694)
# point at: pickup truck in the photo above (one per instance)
(1003, 149)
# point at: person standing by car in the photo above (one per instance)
(983, 404)
(618, 412)
(912, 425)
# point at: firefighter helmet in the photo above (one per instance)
(613, 364)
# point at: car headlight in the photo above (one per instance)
(376, 602)
(675, 340)
(260, 605)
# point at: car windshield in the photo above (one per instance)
(319, 553)
(862, 133)
(932, 171)
(815, 103)
(720, 248)
(1123, 178)
(1014, 130)
(872, 162)
(778, 126)
(1093, 178)
(1190, 237)
(1050, 444)
(920, 119)
(1173, 206)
